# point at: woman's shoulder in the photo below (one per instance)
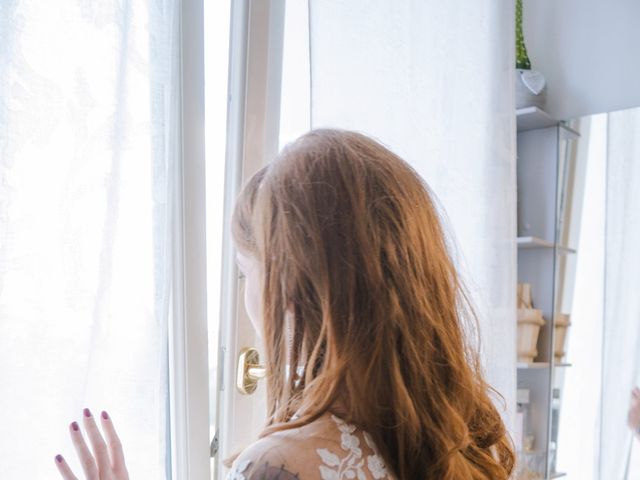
(328, 448)
(271, 457)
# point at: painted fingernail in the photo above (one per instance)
(105, 416)
(74, 426)
(86, 412)
(59, 458)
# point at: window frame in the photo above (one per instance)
(253, 126)
(253, 115)
(188, 361)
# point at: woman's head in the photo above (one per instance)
(351, 262)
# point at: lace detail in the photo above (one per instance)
(328, 449)
(352, 465)
(374, 462)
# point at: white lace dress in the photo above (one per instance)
(328, 449)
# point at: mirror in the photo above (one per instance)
(578, 317)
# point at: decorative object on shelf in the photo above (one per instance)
(523, 438)
(561, 326)
(527, 464)
(529, 323)
(530, 466)
(530, 84)
(524, 296)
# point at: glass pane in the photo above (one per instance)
(217, 19)
(295, 109)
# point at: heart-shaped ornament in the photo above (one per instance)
(533, 80)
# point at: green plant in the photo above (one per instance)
(522, 59)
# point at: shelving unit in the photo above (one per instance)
(541, 183)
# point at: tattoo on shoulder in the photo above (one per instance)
(273, 472)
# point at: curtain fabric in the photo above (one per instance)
(621, 338)
(434, 81)
(87, 126)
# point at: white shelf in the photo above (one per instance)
(532, 365)
(558, 475)
(532, 118)
(540, 365)
(535, 242)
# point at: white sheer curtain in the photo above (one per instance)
(87, 125)
(434, 81)
(621, 342)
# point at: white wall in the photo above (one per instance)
(587, 51)
(428, 79)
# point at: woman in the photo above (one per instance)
(348, 278)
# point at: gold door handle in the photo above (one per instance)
(249, 371)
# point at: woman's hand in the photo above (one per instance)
(633, 419)
(107, 461)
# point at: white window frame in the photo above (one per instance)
(188, 360)
(255, 70)
(253, 126)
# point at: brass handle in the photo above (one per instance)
(249, 371)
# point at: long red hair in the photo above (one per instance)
(351, 244)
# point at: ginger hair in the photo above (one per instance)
(351, 244)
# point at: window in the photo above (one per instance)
(216, 38)
(88, 134)
(295, 107)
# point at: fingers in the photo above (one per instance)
(113, 442)
(64, 469)
(98, 444)
(86, 459)
(107, 458)
(636, 393)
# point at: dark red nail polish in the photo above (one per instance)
(86, 412)
(59, 458)
(105, 416)
(74, 426)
